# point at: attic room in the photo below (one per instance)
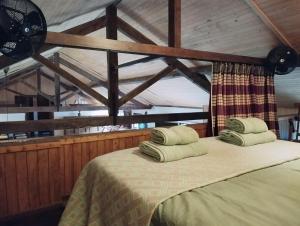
(110, 111)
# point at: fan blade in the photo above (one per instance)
(22, 50)
(34, 18)
(3, 37)
(7, 23)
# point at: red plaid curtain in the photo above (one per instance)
(240, 90)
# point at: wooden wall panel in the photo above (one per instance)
(3, 201)
(41, 173)
(77, 160)
(54, 175)
(11, 183)
(22, 181)
(68, 176)
(33, 185)
(93, 149)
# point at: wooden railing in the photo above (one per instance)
(40, 173)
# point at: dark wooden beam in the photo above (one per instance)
(197, 78)
(15, 92)
(141, 79)
(39, 79)
(81, 122)
(145, 85)
(139, 61)
(82, 107)
(82, 29)
(112, 63)
(56, 82)
(174, 37)
(178, 106)
(94, 43)
(71, 79)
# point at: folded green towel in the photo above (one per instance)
(249, 139)
(174, 135)
(163, 153)
(164, 136)
(246, 125)
(186, 134)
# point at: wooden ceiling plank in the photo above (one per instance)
(66, 75)
(82, 29)
(174, 31)
(145, 85)
(254, 5)
(81, 71)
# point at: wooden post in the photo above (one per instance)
(38, 79)
(57, 81)
(112, 63)
(175, 23)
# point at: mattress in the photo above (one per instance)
(128, 188)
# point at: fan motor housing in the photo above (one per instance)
(282, 60)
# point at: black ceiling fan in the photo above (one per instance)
(282, 60)
(23, 28)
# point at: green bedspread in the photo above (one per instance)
(267, 197)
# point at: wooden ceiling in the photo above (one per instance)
(230, 26)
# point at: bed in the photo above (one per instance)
(231, 185)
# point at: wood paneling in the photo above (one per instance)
(3, 202)
(43, 175)
(22, 181)
(11, 183)
(42, 172)
(33, 186)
